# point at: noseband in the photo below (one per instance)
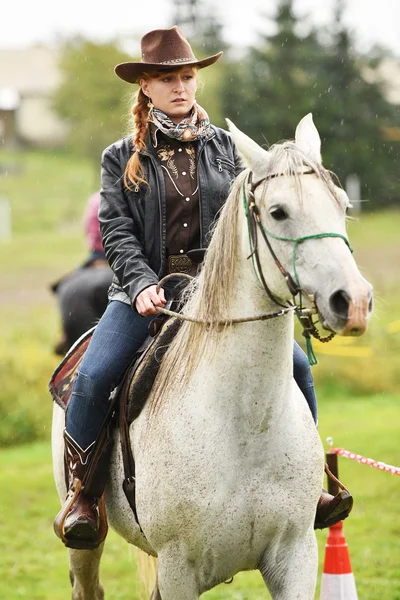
(255, 225)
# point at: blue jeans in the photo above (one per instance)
(304, 379)
(119, 334)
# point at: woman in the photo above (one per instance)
(161, 190)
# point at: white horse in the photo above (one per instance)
(229, 464)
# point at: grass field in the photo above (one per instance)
(34, 562)
(358, 383)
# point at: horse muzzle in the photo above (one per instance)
(350, 309)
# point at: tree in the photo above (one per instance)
(288, 75)
(272, 88)
(200, 25)
(352, 115)
(91, 98)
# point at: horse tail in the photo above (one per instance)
(147, 572)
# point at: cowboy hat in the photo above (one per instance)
(162, 49)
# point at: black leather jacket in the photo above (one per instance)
(133, 222)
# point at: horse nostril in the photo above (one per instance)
(339, 304)
(370, 303)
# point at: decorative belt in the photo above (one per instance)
(180, 263)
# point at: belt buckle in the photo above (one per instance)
(179, 263)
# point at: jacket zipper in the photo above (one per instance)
(152, 160)
(199, 188)
(224, 163)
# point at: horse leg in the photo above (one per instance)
(156, 593)
(176, 579)
(84, 573)
(291, 572)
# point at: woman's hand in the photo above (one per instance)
(147, 301)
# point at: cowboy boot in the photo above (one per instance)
(332, 509)
(82, 521)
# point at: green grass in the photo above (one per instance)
(30, 325)
(47, 190)
(34, 562)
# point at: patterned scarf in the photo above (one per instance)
(193, 127)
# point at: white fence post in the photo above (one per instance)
(353, 190)
(5, 219)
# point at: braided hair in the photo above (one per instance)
(134, 175)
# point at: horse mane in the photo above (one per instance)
(206, 298)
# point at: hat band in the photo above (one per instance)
(177, 60)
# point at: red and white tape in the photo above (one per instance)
(366, 461)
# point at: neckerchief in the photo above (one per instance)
(195, 126)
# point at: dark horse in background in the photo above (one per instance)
(82, 299)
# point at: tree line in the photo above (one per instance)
(265, 91)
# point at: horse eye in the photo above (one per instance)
(278, 214)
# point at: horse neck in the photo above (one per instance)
(259, 351)
(255, 357)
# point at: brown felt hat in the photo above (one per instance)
(162, 48)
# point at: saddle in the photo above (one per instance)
(126, 401)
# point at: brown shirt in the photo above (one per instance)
(179, 164)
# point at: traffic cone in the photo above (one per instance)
(337, 578)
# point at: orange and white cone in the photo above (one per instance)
(337, 578)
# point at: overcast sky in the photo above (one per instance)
(24, 22)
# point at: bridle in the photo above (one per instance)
(255, 226)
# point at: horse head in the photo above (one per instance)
(300, 218)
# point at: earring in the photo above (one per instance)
(150, 105)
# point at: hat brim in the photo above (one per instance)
(131, 72)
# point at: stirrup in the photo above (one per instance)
(341, 504)
(335, 479)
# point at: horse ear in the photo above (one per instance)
(253, 155)
(307, 138)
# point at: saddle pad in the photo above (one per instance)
(140, 377)
(60, 385)
(137, 382)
